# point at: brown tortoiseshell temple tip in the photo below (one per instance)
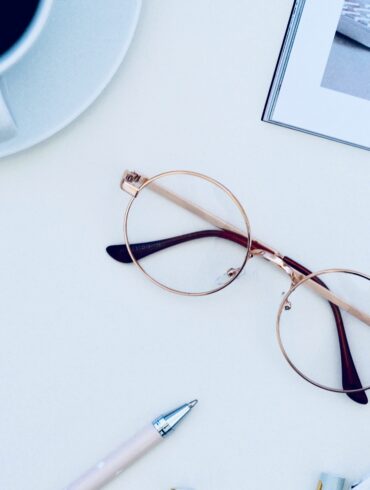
(119, 253)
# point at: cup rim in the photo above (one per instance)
(24, 43)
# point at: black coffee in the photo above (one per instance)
(15, 17)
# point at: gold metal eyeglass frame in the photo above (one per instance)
(143, 182)
(134, 183)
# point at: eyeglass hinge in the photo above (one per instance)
(131, 182)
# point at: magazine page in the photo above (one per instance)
(326, 87)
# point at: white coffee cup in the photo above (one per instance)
(13, 55)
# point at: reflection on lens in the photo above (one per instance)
(310, 335)
(187, 233)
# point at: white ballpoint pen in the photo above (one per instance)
(116, 462)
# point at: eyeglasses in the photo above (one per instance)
(190, 235)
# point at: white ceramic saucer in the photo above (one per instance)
(73, 60)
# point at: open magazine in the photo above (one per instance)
(321, 83)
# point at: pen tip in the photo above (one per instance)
(193, 403)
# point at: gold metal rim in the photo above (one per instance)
(278, 327)
(220, 186)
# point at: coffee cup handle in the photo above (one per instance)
(8, 128)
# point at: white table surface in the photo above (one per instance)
(90, 350)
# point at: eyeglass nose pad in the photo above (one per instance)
(229, 274)
(287, 303)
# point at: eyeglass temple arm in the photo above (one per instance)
(142, 250)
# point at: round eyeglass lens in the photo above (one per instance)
(319, 338)
(188, 233)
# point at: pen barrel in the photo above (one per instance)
(113, 464)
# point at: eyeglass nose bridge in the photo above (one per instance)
(274, 257)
